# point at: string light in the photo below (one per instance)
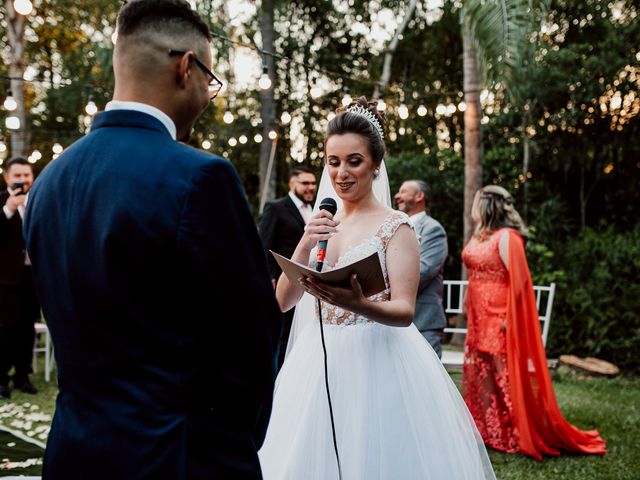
(10, 103)
(381, 107)
(227, 117)
(57, 148)
(346, 100)
(285, 118)
(257, 138)
(12, 122)
(441, 109)
(273, 135)
(233, 142)
(23, 7)
(462, 106)
(403, 111)
(265, 82)
(206, 144)
(243, 139)
(91, 107)
(422, 110)
(316, 91)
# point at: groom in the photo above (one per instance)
(138, 243)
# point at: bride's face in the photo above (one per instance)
(350, 165)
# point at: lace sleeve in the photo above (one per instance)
(390, 226)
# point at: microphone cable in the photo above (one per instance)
(326, 384)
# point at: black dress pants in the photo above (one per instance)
(19, 310)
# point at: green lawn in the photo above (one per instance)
(611, 406)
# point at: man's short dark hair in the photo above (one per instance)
(15, 161)
(141, 14)
(424, 188)
(295, 171)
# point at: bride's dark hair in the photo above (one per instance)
(348, 122)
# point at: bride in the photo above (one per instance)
(397, 413)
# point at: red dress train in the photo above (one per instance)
(506, 382)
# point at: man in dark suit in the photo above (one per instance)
(281, 228)
(139, 245)
(19, 307)
(413, 199)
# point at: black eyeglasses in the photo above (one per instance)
(214, 82)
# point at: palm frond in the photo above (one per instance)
(503, 33)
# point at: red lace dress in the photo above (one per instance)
(505, 380)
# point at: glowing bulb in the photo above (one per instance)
(422, 110)
(233, 142)
(206, 144)
(36, 155)
(346, 100)
(10, 103)
(57, 148)
(273, 135)
(91, 108)
(451, 109)
(381, 107)
(23, 7)
(462, 106)
(12, 123)
(228, 117)
(441, 109)
(257, 138)
(285, 117)
(331, 116)
(242, 139)
(3, 148)
(265, 82)
(316, 91)
(403, 111)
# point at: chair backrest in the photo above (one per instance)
(454, 299)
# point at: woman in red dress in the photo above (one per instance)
(506, 383)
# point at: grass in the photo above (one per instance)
(610, 405)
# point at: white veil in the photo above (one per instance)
(305, 316)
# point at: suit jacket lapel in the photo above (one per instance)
(294, 211)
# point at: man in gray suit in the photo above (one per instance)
(413, 199)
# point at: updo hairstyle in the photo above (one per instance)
(495, 206)
(347, 122)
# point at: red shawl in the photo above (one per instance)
(542, 428)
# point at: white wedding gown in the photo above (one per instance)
(397, 413)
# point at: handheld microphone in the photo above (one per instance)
(330, 205)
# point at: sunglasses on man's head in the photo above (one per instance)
(214, 83)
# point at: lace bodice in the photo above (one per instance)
(377, 243)
(482, 259)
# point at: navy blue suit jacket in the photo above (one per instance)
(139, 245)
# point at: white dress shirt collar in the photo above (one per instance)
(144, 108)
(304, 208)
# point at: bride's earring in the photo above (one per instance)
(376, 172)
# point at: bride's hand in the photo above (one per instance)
(348, 298)
(322, 226)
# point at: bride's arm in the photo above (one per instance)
(403, 268)
(320, 227)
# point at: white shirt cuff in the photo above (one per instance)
(7, 211)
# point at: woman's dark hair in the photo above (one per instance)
(348, 122)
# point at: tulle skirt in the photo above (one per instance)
(397, 413)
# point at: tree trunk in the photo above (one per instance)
(393, 44)
(268, 106)
(472, 134)
(525, 166)
(472, 149)
(15, 32)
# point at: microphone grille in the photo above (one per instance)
(329, 204)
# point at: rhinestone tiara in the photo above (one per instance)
(363, 112)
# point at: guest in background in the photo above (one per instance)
(19, 307)
(413, 199)
(506, 382)
(281, 228)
